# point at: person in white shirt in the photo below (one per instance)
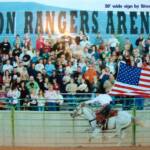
(85, 42)
(53, 98)
(104, 100)
(13, 95)
(39, 67)
(113, 42)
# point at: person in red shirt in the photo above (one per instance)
(39, 43)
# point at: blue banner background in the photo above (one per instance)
(20, 8)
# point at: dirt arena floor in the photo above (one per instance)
(78, 148)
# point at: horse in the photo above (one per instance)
(117, 123)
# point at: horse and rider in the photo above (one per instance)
(105, 112)
(106, 118)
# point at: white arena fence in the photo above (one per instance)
(49, 128)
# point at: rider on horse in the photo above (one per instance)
(104, 100)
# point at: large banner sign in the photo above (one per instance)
(74, 21)
(19, 18)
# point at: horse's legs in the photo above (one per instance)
(123, 134)
(104, 138)
(138, 122)
(90, 139)
(93, 125)
(118, 131)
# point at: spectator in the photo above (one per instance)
(46, 48)
(24, 76)
(20, 67)
(60, 99)
(85, 42)
(49, 67)
(127, 58)
(41, 101)
(31, 52)
(55, 85)
(46, 83)
(33, 103)
(111, 65)
(85, 54)
(3, 96)
(8, 66)
(98, 39)
(74, 47)
(31, 70)
(17, 50)
(32, 85)
(105, 52)
(90, 74)
(40, 80)
(6, 79)
(139, 40)
(71, 89)
(146, 45)
(39, 66)
(94, 53)
(27, 40)
(81, 35)
(5, 46)
(66, 78)
(37, 57)
(40, 43)
(95, 86)
(82, 87)
(146, 60)
(51, 98)
(113, 42)
(17, 41)
(103, 77)
(63, 60)
(25, 57)
(14, 95)
(24, 95)
(128, 45)
(108, 84)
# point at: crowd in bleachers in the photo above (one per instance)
(68, 64)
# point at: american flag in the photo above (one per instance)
(132, 81)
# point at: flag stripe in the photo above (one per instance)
(129, 90)
(143, 85)
(145, 74)
(136, 92)
(146, 69)
(145, 77)
(126, 86)
(145, 80)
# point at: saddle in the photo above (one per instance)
(103, 120)
(2, 105)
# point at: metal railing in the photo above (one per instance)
(70, 101)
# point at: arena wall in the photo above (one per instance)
(27, 128)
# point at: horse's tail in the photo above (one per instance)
(138, 122)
